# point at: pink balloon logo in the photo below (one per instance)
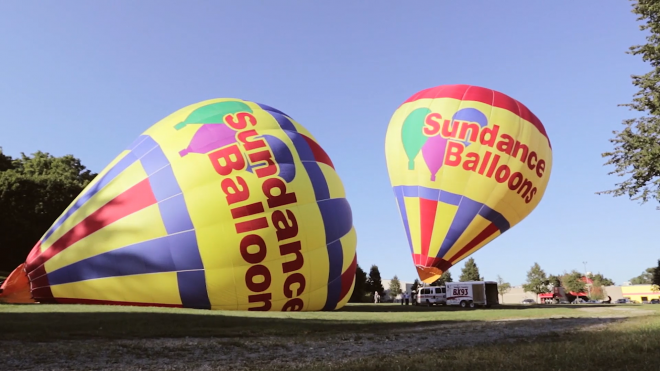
(435, 147)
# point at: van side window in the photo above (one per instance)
(444, 290)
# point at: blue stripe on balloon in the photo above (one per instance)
(178, 251)
(321, 192)
(141, 146)
(398, 192)
(337, 221)
(164, 254)
(467, 210)
(192, 288)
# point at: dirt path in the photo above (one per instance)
(249, 354)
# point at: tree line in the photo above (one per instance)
(34, 191)
(538, 282)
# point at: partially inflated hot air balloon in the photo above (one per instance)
(225, 204)
(466, 164)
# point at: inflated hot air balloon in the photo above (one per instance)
(225, 204)
(466, 164)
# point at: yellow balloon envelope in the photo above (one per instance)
(225, 204)
(466, 164)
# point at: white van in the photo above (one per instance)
(432, 295)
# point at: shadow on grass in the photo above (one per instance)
(114, 325)
(89, 322)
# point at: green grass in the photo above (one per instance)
(53, 322)
(631, 345)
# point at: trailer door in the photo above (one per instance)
(478, 293)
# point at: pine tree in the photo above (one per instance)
(374, 283)
(470, 272)
(359, 291)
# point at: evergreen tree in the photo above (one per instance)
(470, 272)
(359, 292)
(537, 282)
(374, 283)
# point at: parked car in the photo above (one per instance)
(655, 301)
(527, 301)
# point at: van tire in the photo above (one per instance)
(472, 304)
(428, 303)
(463, 304)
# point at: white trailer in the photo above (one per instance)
(472, 293)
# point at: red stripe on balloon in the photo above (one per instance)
(427, 210)
(481, 237)
(133, 200)
(319, 154)
(43, 295)
(347, 278)
(483, 95)
(111, 302)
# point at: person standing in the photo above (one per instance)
(406, 296)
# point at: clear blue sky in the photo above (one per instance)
(87, 77)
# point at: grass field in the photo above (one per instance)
(85, 321)
(358, 337)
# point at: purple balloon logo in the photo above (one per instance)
(435, 147)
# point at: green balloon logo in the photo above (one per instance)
(213, 113)
(412, 137)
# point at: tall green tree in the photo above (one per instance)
(395, 287)
(374, 282)
(444, 278)
(537, 281)
(636, 152)
(359, 291)
(502, 287)
(34, 191)
(646, 278)
(574, 282)
(470, 272)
